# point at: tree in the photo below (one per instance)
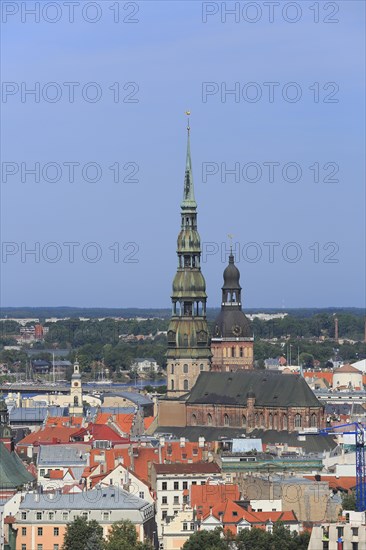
(349, 501)
(79, 533)
(123, 536)
(207, 540)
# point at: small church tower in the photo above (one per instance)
(232, 341)
(76, 392)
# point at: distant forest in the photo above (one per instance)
(163, 313)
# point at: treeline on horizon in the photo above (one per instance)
(94, 341)
(164, 313)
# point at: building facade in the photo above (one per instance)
(188, 338)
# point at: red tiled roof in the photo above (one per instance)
(343, 482)
(56, 474)
(328, 376)
(347, 368)
(123, 421)
(97, 432)
(148, 420)
(48, 435)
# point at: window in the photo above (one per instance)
(172, 384)
(24, 547)
(209, 419)
(24, 531)
(164, 486)
(185, 526)
(24, 515)
(226, 420)
(244, 421)
(185, 384)
(185, 485)
(313, 421)
(203, 482)
(194, 482)
(241, 352)
(354, 531)
(40, 531)
(284, 422)
(84, 515)
(39, 515)
(65, 516)
(42, 472)
(164, 500)
(298, 420)
(176, 500)
(56, 531)
(354, 545)
(39, 546)
(192, 526)
(51, 515)
(105, 516)
(270, 421)
(340, 531)
(164, 514)
(233, 351)
(185, 369)
(172, 369)
(176, 485)
(194, 420)
(56, 547)
(201, 366)
(141, 494)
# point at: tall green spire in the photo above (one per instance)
(189, 201)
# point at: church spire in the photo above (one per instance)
(189, 201)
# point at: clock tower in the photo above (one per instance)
(232, 339)
(76, 392)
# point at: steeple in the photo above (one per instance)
(188, 343)
(189, 202)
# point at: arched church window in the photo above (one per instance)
(226, 420)
(233, 351)
(270, 421)
(185, 368)
(244, 421)
(201, 367)
(194, 420)
(241, 352)
(313, 421)
(209, 419)
(284, 422)
(275, 424)
(298, 420)
(261, 420)
(185, 384)
(172, 384)
(76, 401)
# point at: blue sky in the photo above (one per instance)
(168, 54)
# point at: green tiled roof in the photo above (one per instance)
(13, 473)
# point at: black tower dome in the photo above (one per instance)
(231, 321)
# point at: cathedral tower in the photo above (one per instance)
(232, 342)
(188, 342)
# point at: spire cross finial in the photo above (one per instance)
(188, 125)
(231, 243)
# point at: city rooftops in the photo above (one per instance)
(61, 455)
